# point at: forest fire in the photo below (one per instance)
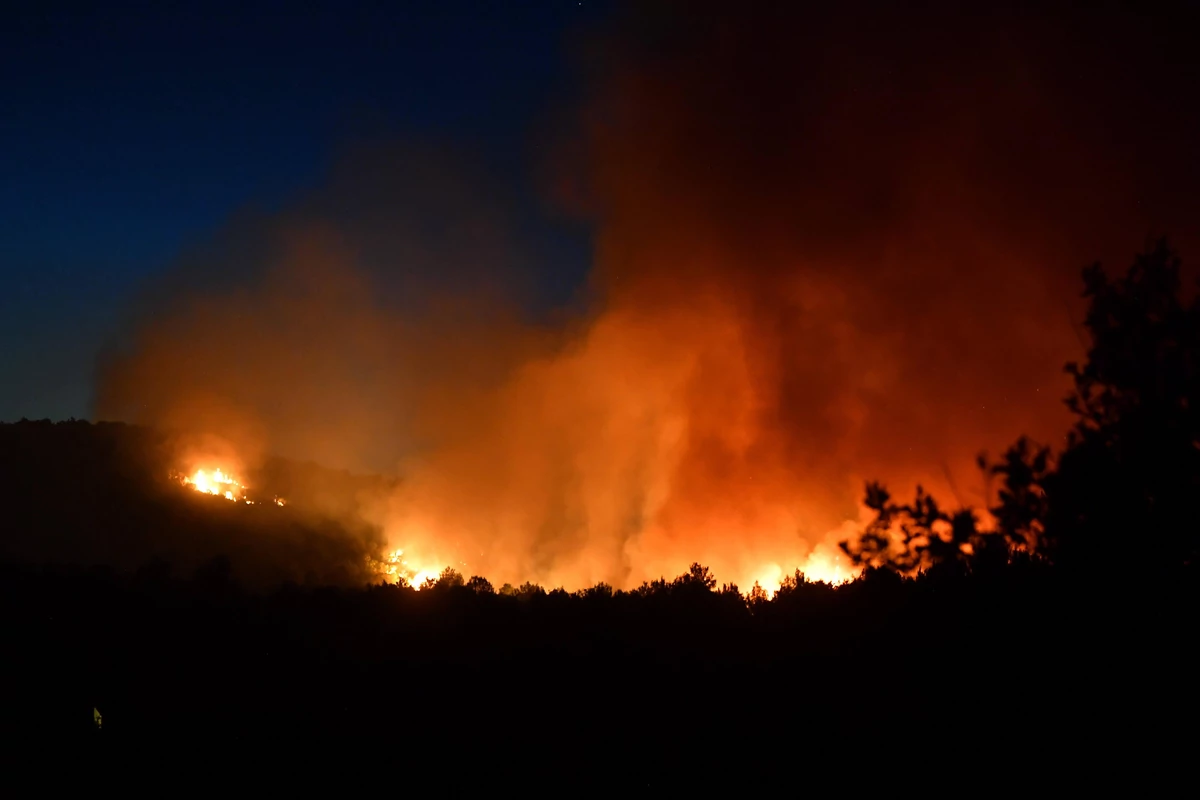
(423, 558)
(776, 312)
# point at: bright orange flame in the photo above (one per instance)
(828, 567)
(822, 565)
(770, 578)
(217, 482)
(397, 566)
(220, 483)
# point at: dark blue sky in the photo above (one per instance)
(129, 132)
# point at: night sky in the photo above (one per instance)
(130, 132)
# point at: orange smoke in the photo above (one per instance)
(824, 253)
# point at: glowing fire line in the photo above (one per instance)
(818, 568)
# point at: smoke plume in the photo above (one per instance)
(830, 246)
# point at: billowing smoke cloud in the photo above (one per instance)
(830, 246)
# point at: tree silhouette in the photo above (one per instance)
(480, 585)
(450, 579)
(601, 591)
(1132, 464)
(913, 536)
(697, 580)
(758, 596)
(1021, 507)
(1130, 472)
(529, 590)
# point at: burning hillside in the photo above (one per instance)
(126, 508)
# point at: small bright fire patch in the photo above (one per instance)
(216, 482)
(397, 567)
(219, 483)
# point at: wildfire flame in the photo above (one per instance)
(396, 567)
(830, 569)
(220, 483)
(819, 567)
(217, 482)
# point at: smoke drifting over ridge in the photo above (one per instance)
(830, 246)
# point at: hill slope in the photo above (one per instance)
(83, 494)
